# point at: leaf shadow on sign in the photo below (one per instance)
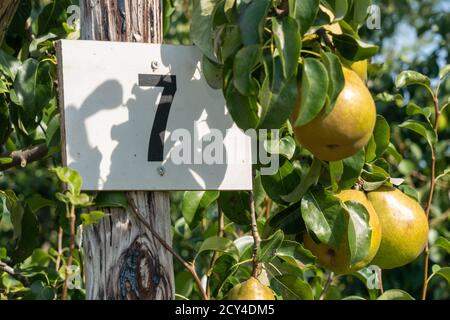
(129, 144)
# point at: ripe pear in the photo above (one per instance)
(338, 260)
(404, 228)
(360, 67)
(251, 289)
(347, 128)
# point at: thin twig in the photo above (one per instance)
(72, 219)
(24, 157)
(430, 197)
(327, 285)
(13, 273)
(60, 249)
(256, 237)
(220, 233)
(381, 282)
(188, 266)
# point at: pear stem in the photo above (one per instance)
(437, 113)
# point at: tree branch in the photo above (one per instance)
(188, 266)
(14, 273)
(7, 10)
(24, 157)
(431, 195)
(256, 236)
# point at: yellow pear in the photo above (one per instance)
(338, 260)
(360, 67)
(404, 228)
(251, 289)
(345, 130)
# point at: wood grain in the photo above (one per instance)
(7, 10)
(122, 259)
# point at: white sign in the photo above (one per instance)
(142, 117)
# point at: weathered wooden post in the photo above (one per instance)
(7, 10)
(122, 259)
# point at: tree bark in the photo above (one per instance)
(7, 10)
(123, 261)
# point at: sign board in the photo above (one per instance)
(142, 117)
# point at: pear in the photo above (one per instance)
(404, 228)
(251, 289)
(338, 260)
(347, 128)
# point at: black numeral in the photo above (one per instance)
(169, 83)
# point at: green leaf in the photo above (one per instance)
(314, 90)
(202, 28)
(359, 231)
(69, 176)
(354, 298)
(443, 243)
(339, 8)
(92, 218)
(445, 71)
(285, 146)
(111, 199)
(304, 12)
(359, 13)
(373, 181)
(410, 192)
(220, 245)
(421, 128)
(295, 254)
(231, 42)
(252, 21)
(29, 238)
(9, 65)
(392, 151)
(310, 179)
(336, 76)
(37, 202)
(336, 172)
(282, 183)
(288, 220)
(446, 173)
(291, 287)
(395, 294)
(324, 217)
(235, 206)
(352, 170)
(223, 269)
(407, 78)
(278, 98)
(15, 210)
(3, 253)
(212, 72)
(353, 49)
(288, 42)
(397, 99)
(244, 63)
(243, 110)
(270, 246)
(413, 109)
(33, 86)
(379, 141)
(195, 203)
(443, 273)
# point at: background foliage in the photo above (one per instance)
(413, 35)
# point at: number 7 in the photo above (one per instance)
(169, 83)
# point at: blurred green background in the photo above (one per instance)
(414, 35)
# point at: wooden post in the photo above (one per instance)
(7, 10)
(123, 261)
